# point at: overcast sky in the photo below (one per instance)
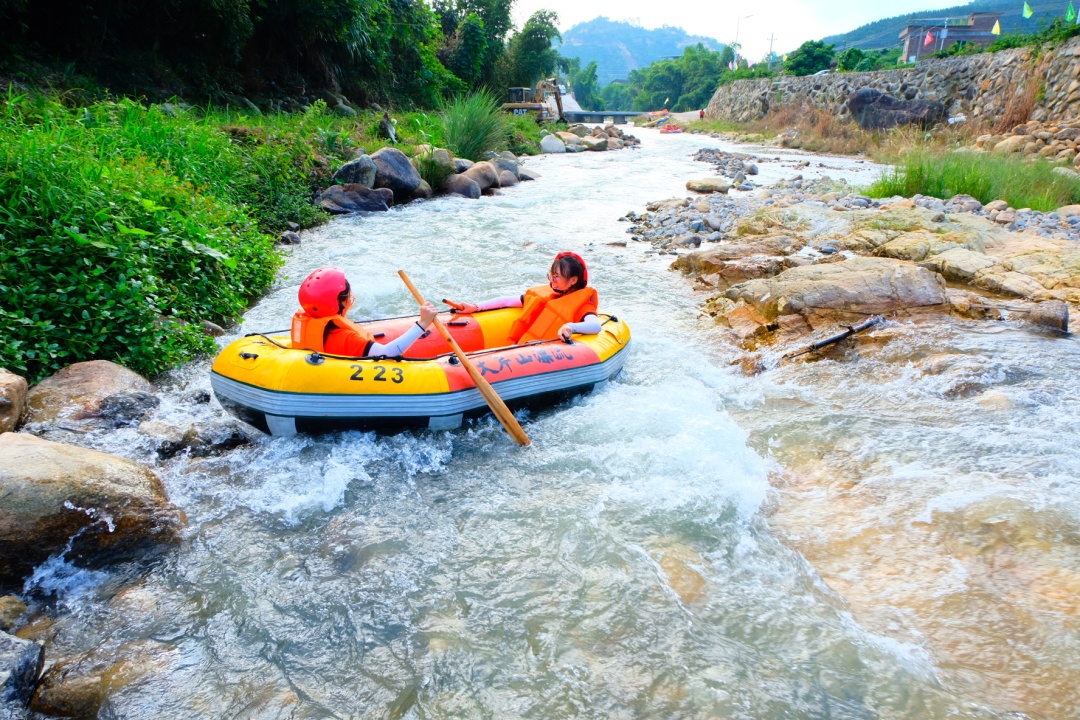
(792, 22)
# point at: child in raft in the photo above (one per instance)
(566, 305)
(325, 296)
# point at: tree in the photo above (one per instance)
(849, 59)
(811, 57)
(468, 50)
(530, 56)
(587, 88)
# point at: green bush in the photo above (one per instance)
(523, 134)
(119, 235)
(1018, 182)
(473, 124)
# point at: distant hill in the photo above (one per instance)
(619, 47)
(886, 33)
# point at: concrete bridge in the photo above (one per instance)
(619, 117)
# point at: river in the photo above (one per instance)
(895, 537)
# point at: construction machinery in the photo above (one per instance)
(533, 101)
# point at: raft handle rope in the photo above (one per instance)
(249, 356)
(398, 358)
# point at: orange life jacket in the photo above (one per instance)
(543, 313)
(309, 333)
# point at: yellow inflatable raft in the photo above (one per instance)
(282, 390)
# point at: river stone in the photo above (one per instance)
(79, 391)
(423, 191)
(507, 178)
(579, 130)
(108, 508)
(552, 144)
(203, 441)
(394, 171)
(860, 285)
(1052, 314)
(360, 171)
(461, 164)
(11, 608)
(594, 143)
(525, 174)
(503, 164)
(438, 163)
(483, 174)
(1009, 145)
(875, 110)
(344, 199)
(20, 665)
(569, 138)
(708, 185)
(962, 265)
(12, 399)
(461, 185)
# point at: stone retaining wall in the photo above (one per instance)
(977, 85)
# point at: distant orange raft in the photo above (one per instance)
(670, 129)
(283, 390)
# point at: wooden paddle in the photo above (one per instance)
(493, 400)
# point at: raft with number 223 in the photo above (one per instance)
(282, 390)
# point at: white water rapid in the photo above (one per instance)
(834, 540)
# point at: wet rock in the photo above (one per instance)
(461, 185)
(20, 665)
(875, 110)
(94, 506)
(708, 185)
(461, 164)
(747, 323)
(502, 164)
(507, 178)
(394, 171)
(526, 174)
(13, 390)
(1006, 282)
(11, 608)
(483, 174)
(359, 171)
(344, 199)
(423, 191)
(127, 409)
(858, 286)
(552, 144)
(438, 163)
(289, 237)
(1052, 314)
(79, 392)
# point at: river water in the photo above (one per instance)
(894, 536)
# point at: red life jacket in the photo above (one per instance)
(543, 313)
(309, 333)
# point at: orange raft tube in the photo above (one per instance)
(283, 390)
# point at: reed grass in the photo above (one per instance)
(1021, 183)
(473, 124)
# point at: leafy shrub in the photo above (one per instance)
(118, 238)
(472, 124)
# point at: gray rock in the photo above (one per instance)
(461, 164)
(360, 171)
(506, 164)
(394, 171)
(461, 185)
(387, 129)
(874, 110)
(20, 665)
(289, 237)
(552, 144)
(525, 174)
(343, 199)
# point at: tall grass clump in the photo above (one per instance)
(119, 234)
(1019, 182)
(472, 124)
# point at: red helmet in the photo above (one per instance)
(321, 291)
(584, 267)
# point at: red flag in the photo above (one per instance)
(929, 38)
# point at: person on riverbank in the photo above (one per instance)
(566, 305)
(325, 296)
(701, 114)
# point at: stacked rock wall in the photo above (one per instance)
(979, 86)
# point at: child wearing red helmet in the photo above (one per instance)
(325, 296)
(566, 305)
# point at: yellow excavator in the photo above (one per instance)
(529, 101)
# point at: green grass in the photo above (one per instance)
(1021, 183)
(473, 124)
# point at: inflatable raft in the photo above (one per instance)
(283, 390)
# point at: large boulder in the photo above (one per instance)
(569, 138)
(462, 164)
(91, 390)
(708, 185)
(483, 174)
(20, 665)
(394, 171)
(507, 178)
(354, 197)
(360, 171)
(504, 164)
(595, 143)
(12, 399)
(875, 110)
(552, 144)
(92, 506)
(461, 185)
(858, 286)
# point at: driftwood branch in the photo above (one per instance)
(851, 330)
